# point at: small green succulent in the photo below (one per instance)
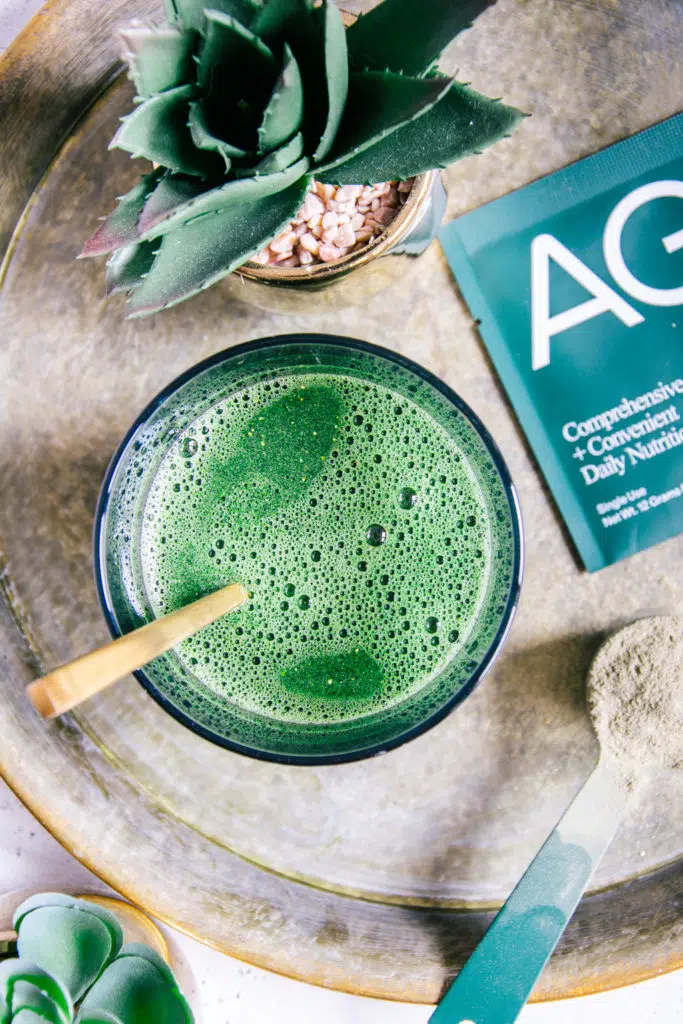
(241, 103)
(29, 995)
(73, 968)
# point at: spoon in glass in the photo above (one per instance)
(69, 685)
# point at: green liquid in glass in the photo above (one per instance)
(354, 521)
(362, 506)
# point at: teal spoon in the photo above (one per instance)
(497, 980)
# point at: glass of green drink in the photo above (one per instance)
(366, 510)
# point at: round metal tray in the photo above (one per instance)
(376, 877)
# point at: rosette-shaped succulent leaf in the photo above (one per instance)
(29, 995)
(138, 987)
(70, 938)
(241, 102)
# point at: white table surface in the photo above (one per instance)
(223, 990)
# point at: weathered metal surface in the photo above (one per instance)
(377, 873)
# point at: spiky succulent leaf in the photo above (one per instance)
(26, 988)
(190, 13)
(336, 73)
(461, 123)
(278, 160)
(121, 226)
(236, 73)
(295, 22)
(136, 988)
(230, 49)
(198, 254)
(280, 21)
(158, 58)
(378, 103)
(158, 129)
(204, 139)
(127, 266)
(409, 35)
(265, 99)
(174, 192)
(282, 116)
(167, 210)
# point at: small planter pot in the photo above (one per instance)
(357, 276)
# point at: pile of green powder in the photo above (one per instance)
(635, 698)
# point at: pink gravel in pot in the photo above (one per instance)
(334, 221)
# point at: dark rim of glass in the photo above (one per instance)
(501, 467)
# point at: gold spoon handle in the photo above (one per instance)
(69, 685)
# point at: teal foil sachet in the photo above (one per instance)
(577, 283)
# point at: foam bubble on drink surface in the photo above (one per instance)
(354, 521)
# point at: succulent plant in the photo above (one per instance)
(29, 995)
(241, 103)
(68, 937)
(137, 987)
(71, 954)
